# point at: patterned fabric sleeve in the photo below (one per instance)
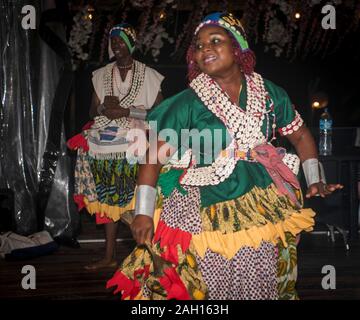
(288, 120)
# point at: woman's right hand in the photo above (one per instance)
(142, 229)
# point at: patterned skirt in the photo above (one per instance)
(105, 184)
(104, 187)
(244, 248)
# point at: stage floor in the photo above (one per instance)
(62, 276)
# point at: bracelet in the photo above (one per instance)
(137, 113)
(313, 171)
(145, 200)
(100, 108)
(322, 173)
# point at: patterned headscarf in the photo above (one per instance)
(228, 22)
(127, 33)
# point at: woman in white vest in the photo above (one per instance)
(104, 179)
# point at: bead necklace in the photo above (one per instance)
(137, 81)
(117, 82)
(243, 125)
(125, 67)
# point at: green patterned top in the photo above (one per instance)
(186, 111)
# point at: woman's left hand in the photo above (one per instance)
(116, 113)
(322, 189)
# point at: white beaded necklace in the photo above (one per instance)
(244, 126)
(119, 84)
(136, 83)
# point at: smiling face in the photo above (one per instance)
(120, 49)
(214, 53)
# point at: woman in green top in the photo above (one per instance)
(225, 230)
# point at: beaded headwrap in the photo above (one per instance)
(228, 22)
(127, 33)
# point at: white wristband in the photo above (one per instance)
(322, 173)
(313, 171)
(145, 200)
(137, 113)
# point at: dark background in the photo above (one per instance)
(336, 73)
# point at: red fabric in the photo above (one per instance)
(146, 272)
(79, 200)
(173, 285)
(88, 125)
(127, 287)
(271, 158)
(170, 281)
(171, 254)
(77, 142)
(102, 220)
(171, 237)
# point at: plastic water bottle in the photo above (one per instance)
(325, 125)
